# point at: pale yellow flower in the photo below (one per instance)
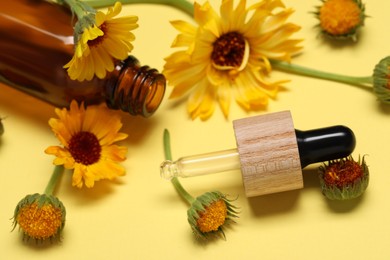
(229, 55)
(100, 45)
(88, 136)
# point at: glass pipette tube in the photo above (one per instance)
(270, 153)
(314, 146)
(202, 164)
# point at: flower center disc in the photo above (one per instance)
(230, 51)
(342, 174)
(85, 148)
(98, 40)
(40, 222)
(213, 217)
(339, 17)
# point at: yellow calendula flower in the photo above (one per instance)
(98, 47)
(229, 55)
(88, 136)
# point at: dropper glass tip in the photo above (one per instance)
(201, 164)
(168, 170)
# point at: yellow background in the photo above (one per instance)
(140, 216)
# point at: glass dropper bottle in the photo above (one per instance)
(36, 41)
(270, 153)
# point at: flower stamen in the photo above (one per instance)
(40, 217)
(342, 174)
(230, 51)
(98, 40)
(213, 217)
(40, 223)
(85, 148)
(344, 178)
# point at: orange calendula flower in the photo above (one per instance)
(228, 55)
(341, 18)
(88, 136)
(40, 217)
(98, 47)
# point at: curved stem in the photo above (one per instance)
(75, 8)
(296, 69)
(180, 189)
(176, 183)
(183, 5)
(57, 173)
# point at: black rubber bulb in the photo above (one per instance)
(324, 144)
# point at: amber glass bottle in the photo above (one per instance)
(36, 41)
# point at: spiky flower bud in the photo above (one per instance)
(40, 217)
(209, 213)
(381, 78)
(341, 19)
(344, 178)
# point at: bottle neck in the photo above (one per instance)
(135, 89)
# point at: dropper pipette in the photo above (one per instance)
(269, 159)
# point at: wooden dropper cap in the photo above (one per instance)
(272, 153)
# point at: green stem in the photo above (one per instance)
(180, 189)
(183, 5)
(175, 181)
(57, 173)
(296, 69)
(75, 7)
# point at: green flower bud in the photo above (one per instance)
(341, 19)
(344, 179)
(381, 78)
(209, 213)
(40, 217)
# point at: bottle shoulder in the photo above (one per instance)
(37, 23)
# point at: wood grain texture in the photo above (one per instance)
(269, 153)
